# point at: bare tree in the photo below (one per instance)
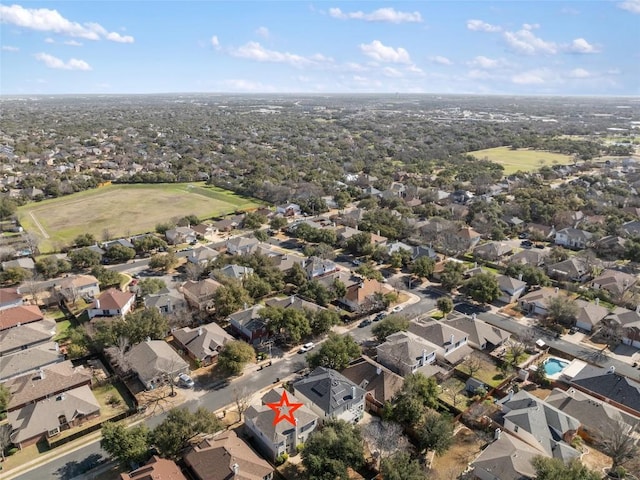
(193, 271)
(242, 399)
(618, 442)
(472, 364)
(5, 438)
(515, 350)
(384, 438)
(121, 347)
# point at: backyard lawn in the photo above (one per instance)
(488, 372)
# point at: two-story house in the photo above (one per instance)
(451, 343)
(202, 343)
(112, 303)
(405, 353)
(573, 238)
(250, 325)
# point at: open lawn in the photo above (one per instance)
(121, 210)
(523, 159)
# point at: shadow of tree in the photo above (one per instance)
(73, 469)
(595, 356)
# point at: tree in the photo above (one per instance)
(5, 396)
(555, 469)
(261, 235)
(416, 395)
(316, 292)
(230, 298)
(106, 277)
(8, 207)
(147, 322)
(242, 399)
(149, 243)
(423, 267)
(400, 466)
(515, 352)
(367, 271)
(451, 276)
(483, 288)
(165, 261)
(291, 324)
(51, 267)
(531, 275)
(253, 221)
(388, 326)
(127, 445)
(435, 432)
(359, 244)
(84, 240)
(180, 426)
(256, 286)
(336, 352)
(472, 364)
(277, 223)
(328, 452)
(321, 321)
(297, 276)
(617, 442)
(14, 275)
(83, 258)
(149, 286)
(445, 305)
(5, 438)
(235, 355)
(562, 310)
(384, 438)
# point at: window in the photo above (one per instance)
(53, 432)
(515, 428)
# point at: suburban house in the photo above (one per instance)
(285, 262)
(46, 382)
(293, 302)
(534, 258)
(537, 301)
(224, 457)
(26, 336)
(511, 288)
(205, 231)
(283, 437)
(589, 314)
(202, 343)
(540, 424)
(289, 210)
(225, 225)
(241, 245)
(451, 343)
(237, 272)
(331, 395)
(112, 303)
(480, 335)
(47, 418)
(121, 242)
(614, 282)
(364, 296)
(179, 235)
(573, 238)
(155, 363)
(27, 263)
(611, 247)
(629, 320)
(202, 255)
(21, 315)
(156, 469)
(249, 325)
(24, 362)
(507, 458)
(79, 286)
(200, 294)
(165, 301)
(631, 229)
(10, 297)
(493, 251)
(317, 267)
(423, 251)
(466, 238)
(573, 269)
(405, 353)
(397, 247)
(595, 416)
(380, 383)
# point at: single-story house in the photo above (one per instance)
(112, 303)
(511, 288)
(202, 343)
(22, 337)
(155, 363)
(614, 281)
(155, 469)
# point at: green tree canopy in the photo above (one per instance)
(416, 395)
(531, 275)
(321, 321)
(5, 396)
(445, 305)
(51, 267)
(119, 253)
(483, 288)
(359, 244)
(127, 445)
(254, 220)
(330, 451)
(435, 432)
(149, 286)
(235, 355)
(555, 469)
(149, 243)
(562, 310)
(290, 323)
(451, 276)
(390, 325)
(400, 466)
(336, 352)
(106, 277)
(14, 275)
(84, 240)
(180, 426)
(83, 258)
(164, 261)
(230, 298)
(423, 267)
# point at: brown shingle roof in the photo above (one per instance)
(9, 295)
(156, 469)
(112, 299)
(13, 316)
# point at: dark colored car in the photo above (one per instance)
(526, 243)
(379, 317)
(364, 323)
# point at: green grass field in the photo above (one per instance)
(124, 210)
(523, 159)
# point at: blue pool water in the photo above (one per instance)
(554, 365)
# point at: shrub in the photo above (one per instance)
(299, 447)
(11, 451)
(282, 458)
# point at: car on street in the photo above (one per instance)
(185, 381)
(397, 308)
(379, 317)
(356, 262)
(364, 323)
(526, 244)
(306, 347)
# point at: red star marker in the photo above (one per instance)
(284, 406)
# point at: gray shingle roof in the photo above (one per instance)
(29, 360)
(149, 359)
(620, 389)
(203, 341)
(328, 389)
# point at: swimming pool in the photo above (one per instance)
(553, 366)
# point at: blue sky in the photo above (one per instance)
(477, 47)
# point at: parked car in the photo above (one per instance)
(364, 323)
(185, 381)
(397, 308)
(539, 245)
(526, 243)
(306, 347)
(379, 317)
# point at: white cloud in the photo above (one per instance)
(440, 60)
(580, 45)
(49, 40)
(255, 51)
(263, 32)
(73, 43)
(632, 6)
(391, 72)
(532, 77)
(46, 20)
(485, 63)
(215, 43)
(579, 73)
(9, 48)
(381, 15)
(382, 53)
(243, 85)
(414, 69)
(54, 62)
(524, 41)
(476, 74)
(480, 26)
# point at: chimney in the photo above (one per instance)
(148, 339)
(612, 369)
(424, 356)
(353, 392)
(56, 345)
(497, 433)
(236, 468)
(557, 289)
(97, 303)
(520, 276)
(41, 374)
(292, 300)
(199, 331)
(378, 370)
(510, 392)
(597, 301)
(452, 339)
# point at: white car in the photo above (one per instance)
(306, 347)
(185, 381)
(397, 308)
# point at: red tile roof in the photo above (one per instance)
(14, 316)
(112, 299)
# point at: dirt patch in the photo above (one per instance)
(511, 311)
(466, 447)
(594, 459)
